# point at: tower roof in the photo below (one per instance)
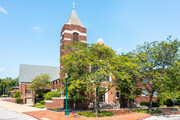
(74, 19)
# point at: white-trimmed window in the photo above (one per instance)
(144, 92)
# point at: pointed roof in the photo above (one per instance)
(74, 19)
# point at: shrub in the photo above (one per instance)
(49, 95)
(147, 111)
(16, 94)
(4, 96)
(39, 105)
(55, 109)
(154, 104)
(19, 100)
(92, 114)
(144, 103)
(42, 102)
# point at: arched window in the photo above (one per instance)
(76, 37)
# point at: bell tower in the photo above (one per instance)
(72, 30)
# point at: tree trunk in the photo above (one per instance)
(150, 101)
(74, 105)
(97, 102)
(128, 102)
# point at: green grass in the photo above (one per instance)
(92, 114)
(147, 111)
(39, 105)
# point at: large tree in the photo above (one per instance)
(153, 59)
(126, 73)
(87, 67)
(171, 87)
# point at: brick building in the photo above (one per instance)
(72, 30)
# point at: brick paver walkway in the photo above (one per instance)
(50, 115)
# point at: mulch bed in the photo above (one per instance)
(119, 115)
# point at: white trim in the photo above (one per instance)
(83, 41)
(71, 32)
(75, 24)
(48, 101)
(61, 44)
(110, 78)
(67, 39)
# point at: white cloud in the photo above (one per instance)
(2, 69)
(37, 28)
(4, 11)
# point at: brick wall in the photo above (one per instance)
(10, 100)
(54, 103)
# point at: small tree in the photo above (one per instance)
(40, 84)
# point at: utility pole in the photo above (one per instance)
(3, 89)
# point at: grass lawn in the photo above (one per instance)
(147, 111)
(39, 105)
(92, 114)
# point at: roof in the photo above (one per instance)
(100, 41)
(29, 72)
(74, 19)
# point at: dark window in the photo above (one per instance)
(76, 37)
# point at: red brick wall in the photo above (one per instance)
(10, 100)
(55, 103)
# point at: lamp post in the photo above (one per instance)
(66, 111)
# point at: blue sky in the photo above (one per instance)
(30, 30)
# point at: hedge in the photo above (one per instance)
(154, 104)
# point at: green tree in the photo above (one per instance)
(153, 59)
(171, 87)
(126, 73)
(82, 81)
(40, 84)
(76, 64)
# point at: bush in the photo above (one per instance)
(49, 95)
(19, 100)
(16, 94)
(144, 103)
(4, 96)
(42, 102)
(55, 109)
(39, 105)
(154, 104)
(92, 114)
(147, 111)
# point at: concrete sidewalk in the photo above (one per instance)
(164, 117)
(20, 108)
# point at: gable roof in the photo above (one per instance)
(29, 72)
(74, 19)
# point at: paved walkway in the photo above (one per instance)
(20, 108)
(11, 115)
(164, 117)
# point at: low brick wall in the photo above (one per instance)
(10, 100)
(55, 103)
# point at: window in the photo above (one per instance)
(76, 37)
(28, 92)
(155, 94)
(144, 92)
(145, 80)
(117, 94)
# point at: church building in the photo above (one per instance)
(72, 30)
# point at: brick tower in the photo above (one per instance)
(72, 30)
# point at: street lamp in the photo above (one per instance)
(66, 111)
